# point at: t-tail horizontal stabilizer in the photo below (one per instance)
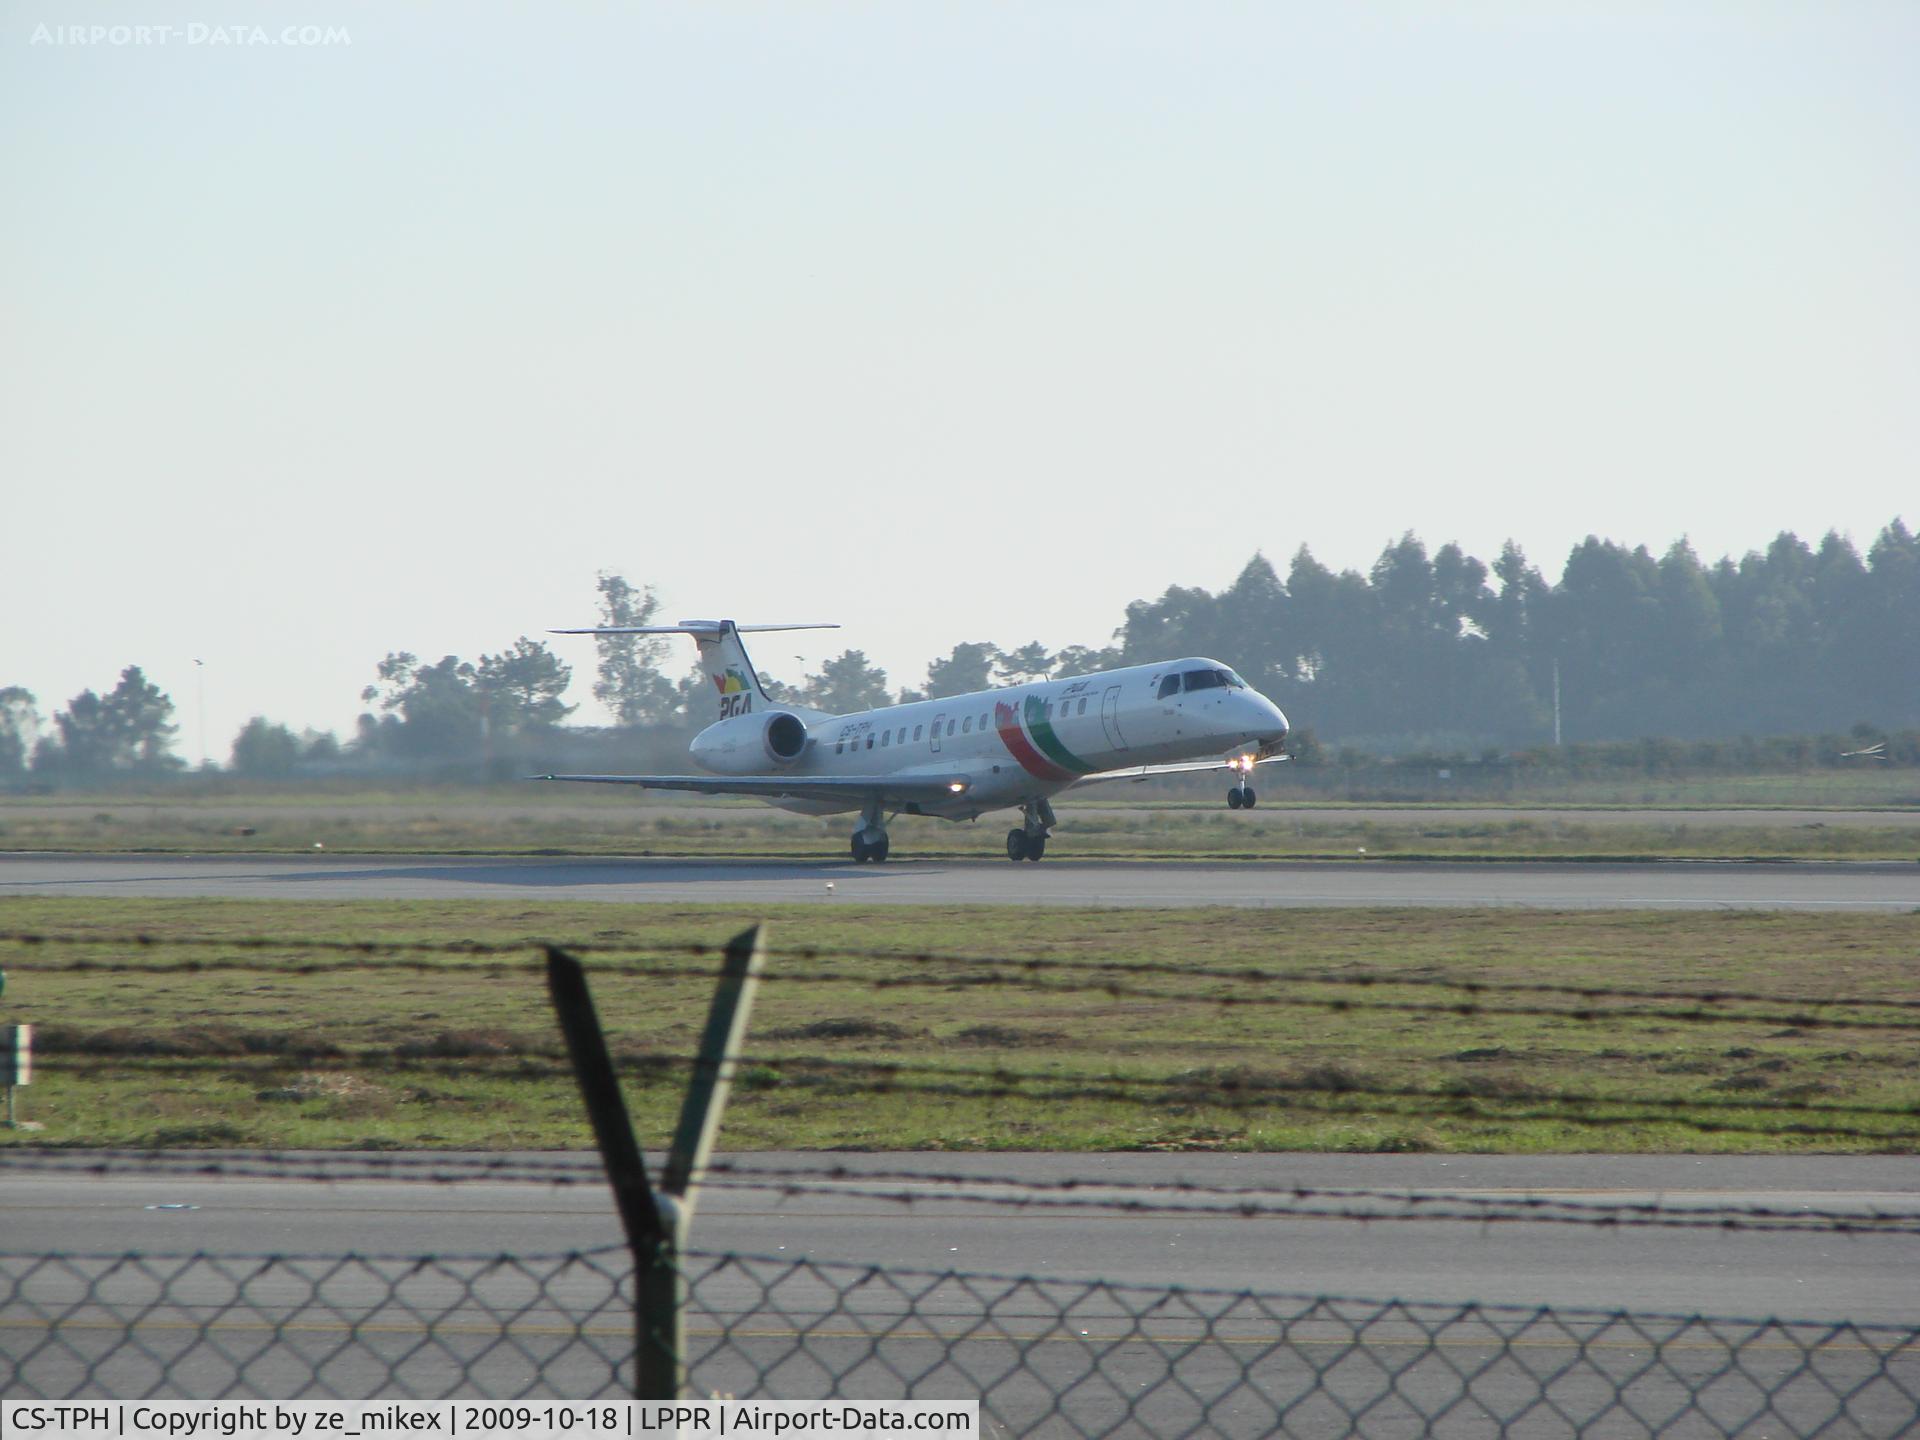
(696, 628)
(722, 656)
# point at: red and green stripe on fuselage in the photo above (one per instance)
(1044, 756)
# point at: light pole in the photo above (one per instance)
(1556, 702)
(200, 699)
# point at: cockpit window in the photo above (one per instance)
(1213, 680)
(1169, 686)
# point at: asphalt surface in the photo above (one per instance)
(1055, 881)
(1799, 1275)
(149, 810)
(1048, 1356)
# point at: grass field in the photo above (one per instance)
(1862, 784)
(588, 820)
(885, 1048)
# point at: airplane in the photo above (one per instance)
(961, 756)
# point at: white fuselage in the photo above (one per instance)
(1016, 744)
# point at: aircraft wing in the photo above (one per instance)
(1184, 767)
(857, 789)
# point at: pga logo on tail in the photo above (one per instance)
(735, 698)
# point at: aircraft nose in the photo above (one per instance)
(1275, 731)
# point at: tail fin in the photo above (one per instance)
(722, 657)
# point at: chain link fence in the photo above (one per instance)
(1046, 1357)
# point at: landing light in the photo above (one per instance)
(957, 786)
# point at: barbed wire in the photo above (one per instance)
(1031, 964)
(1337, 1091)
(1238, 1202)
(1462, 1009)
(1247, 1090)
(1468, 1211)
(1375, 1103)
(776, 1070)
(786, 1177)
(1414, 1105)
(322, 1166)
(140, 940)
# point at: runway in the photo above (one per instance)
(1800, 1275)
(321, 813)
(909, 1288)
(1807, 886)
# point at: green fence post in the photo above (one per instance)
(656, 1222)
(657, 1366)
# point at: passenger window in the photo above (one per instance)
(983, 722)
(869, 742)
(886, 738)
(1083, 707)
(967, 724)
(902, 736)
(950, 727)
(916, 731)
(1169, 686)
(838, 746)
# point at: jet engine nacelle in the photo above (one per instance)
(748, 744)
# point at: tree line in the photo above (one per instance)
(1795, 639)
(1422, 651)
(127, 731)
(1444, 651)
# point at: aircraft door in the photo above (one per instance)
(1110, 717)
(938, 720)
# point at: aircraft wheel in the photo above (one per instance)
(1016, 844)
(1246, 801)
(1036, 847)
(879, 850)
(859, 851)
(1233, 798)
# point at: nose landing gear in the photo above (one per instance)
(1241, 797)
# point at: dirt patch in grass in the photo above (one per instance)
(472, 1044)
(1006, 1037)
(137, 1042)
(324, 1085)
(847, 1027)
(1488, 1087)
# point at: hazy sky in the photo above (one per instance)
(948, 322)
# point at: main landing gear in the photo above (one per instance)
(1030, 841)
(870, 840)
(1022, 846)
